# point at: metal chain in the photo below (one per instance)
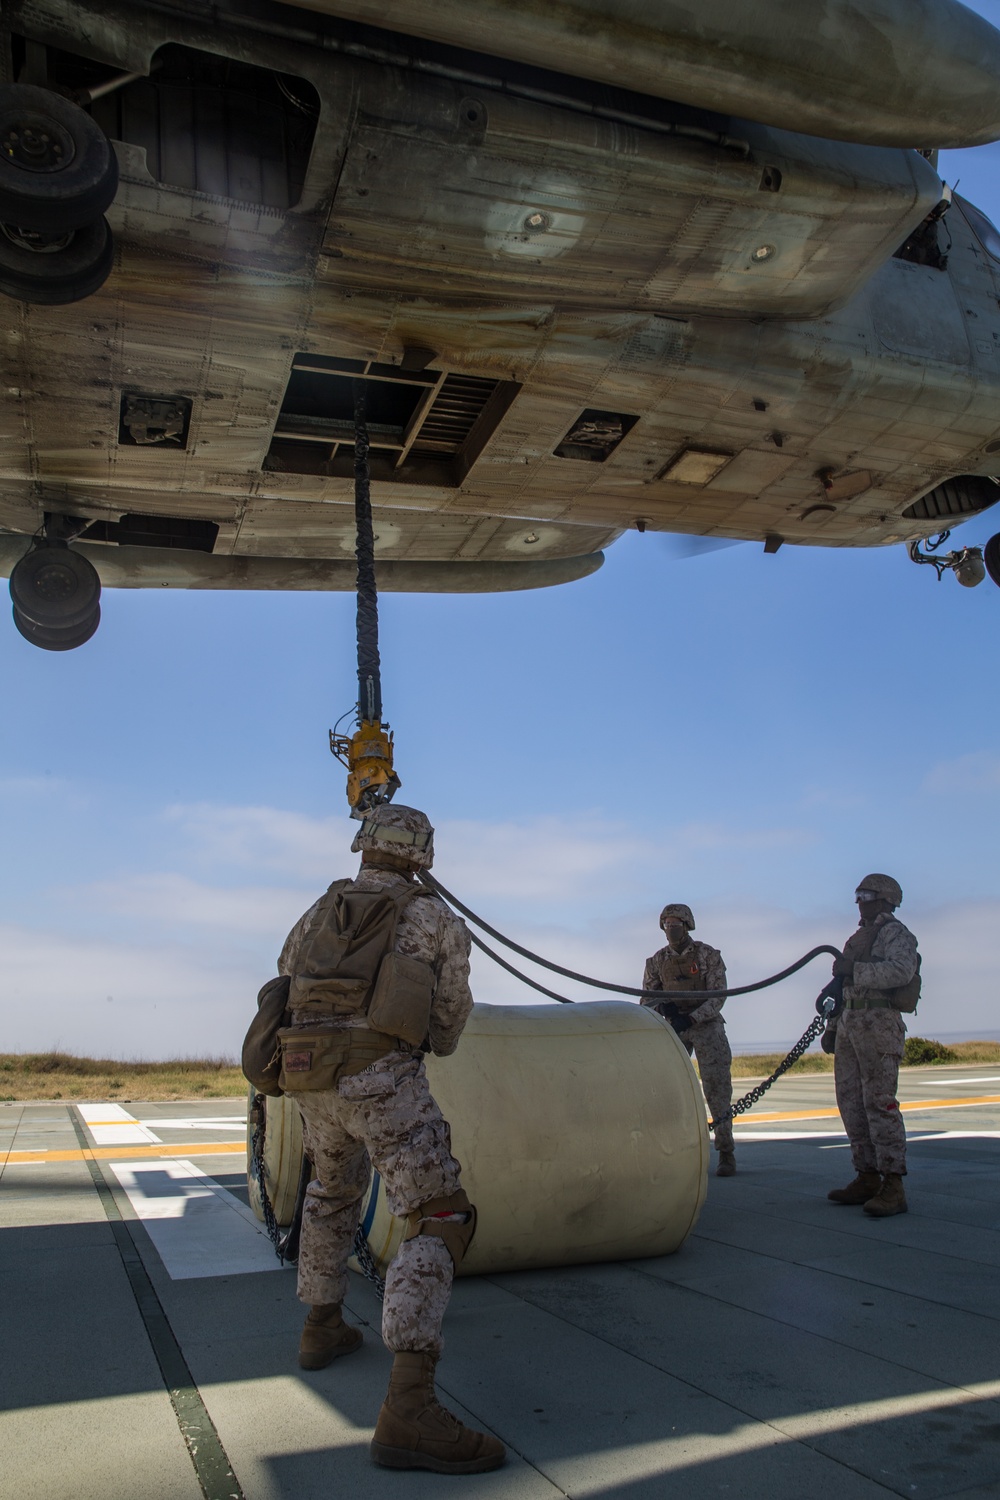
(257, 1138)
(816, 1028)
(366, 1260)
(362, 1249)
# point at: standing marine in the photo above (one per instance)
(685, 964)
(376, 1108)
(880, 967)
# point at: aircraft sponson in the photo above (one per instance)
(165, 567)
(920, 73)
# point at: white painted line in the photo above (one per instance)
(946, 1083)
(110, 1125)
(957, 1135)
(784, 1135)
(234, 1123)
(199, 1229)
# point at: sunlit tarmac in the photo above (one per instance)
(791, 1347)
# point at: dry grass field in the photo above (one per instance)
(59, 1075)
(919, 1053)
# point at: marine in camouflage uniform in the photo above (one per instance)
(386, 1115)
(867, 1041)
(686, 964)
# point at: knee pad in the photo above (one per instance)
(456, 1236)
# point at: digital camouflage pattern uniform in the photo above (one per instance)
(699, 967)
(388, 1116)
(870, 1036)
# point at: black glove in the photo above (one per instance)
(828, 1041)
(678, 1019)
(843, 968)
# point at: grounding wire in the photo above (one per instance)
(434, 884)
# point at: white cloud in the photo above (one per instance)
(266, 838)
(541, 858)
(584, 892)
(978, 772)
(177, 900)
(97, 997)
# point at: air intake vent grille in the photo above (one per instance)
(424, 426)
(453, 413)
(965, 495)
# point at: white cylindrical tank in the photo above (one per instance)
(581, 1130)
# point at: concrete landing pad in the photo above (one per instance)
(791, 1348)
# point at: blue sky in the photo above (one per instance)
(748, 733)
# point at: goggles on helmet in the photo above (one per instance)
(372, 828)
(866, 896)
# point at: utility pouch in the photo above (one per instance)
(905, 998)
(317, 1059)
(261, 1058)
(401, 1000)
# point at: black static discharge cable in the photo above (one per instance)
(434, 884)
(563, 999)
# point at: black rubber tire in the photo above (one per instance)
(58, 276)
(991, 557)
(71, 175)
(54, 588)
(66, 639)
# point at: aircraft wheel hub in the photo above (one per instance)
(38, 145)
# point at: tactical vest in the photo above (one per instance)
(858, 949)
(682, 971)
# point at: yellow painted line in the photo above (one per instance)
(121, 1153)
(834, 1114)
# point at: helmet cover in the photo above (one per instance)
(391, 828)
(680, 911)
(883, 885)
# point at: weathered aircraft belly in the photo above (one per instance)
(883, 72)
(825, 384)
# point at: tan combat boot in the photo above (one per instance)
(727, 1164)
(864, 1186)
(326, 1337)
(414, 1431)
(890, 1199)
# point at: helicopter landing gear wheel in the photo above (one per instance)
(65, 639)
(991, 557)
(58, 170)
(54, 268)
(56, 596)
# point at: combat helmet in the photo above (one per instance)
(883, 885)
(680, 911)
(390, 828)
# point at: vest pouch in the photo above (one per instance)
(401, 1000)
(342, 996)
(311, 1060)
(905, 998)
